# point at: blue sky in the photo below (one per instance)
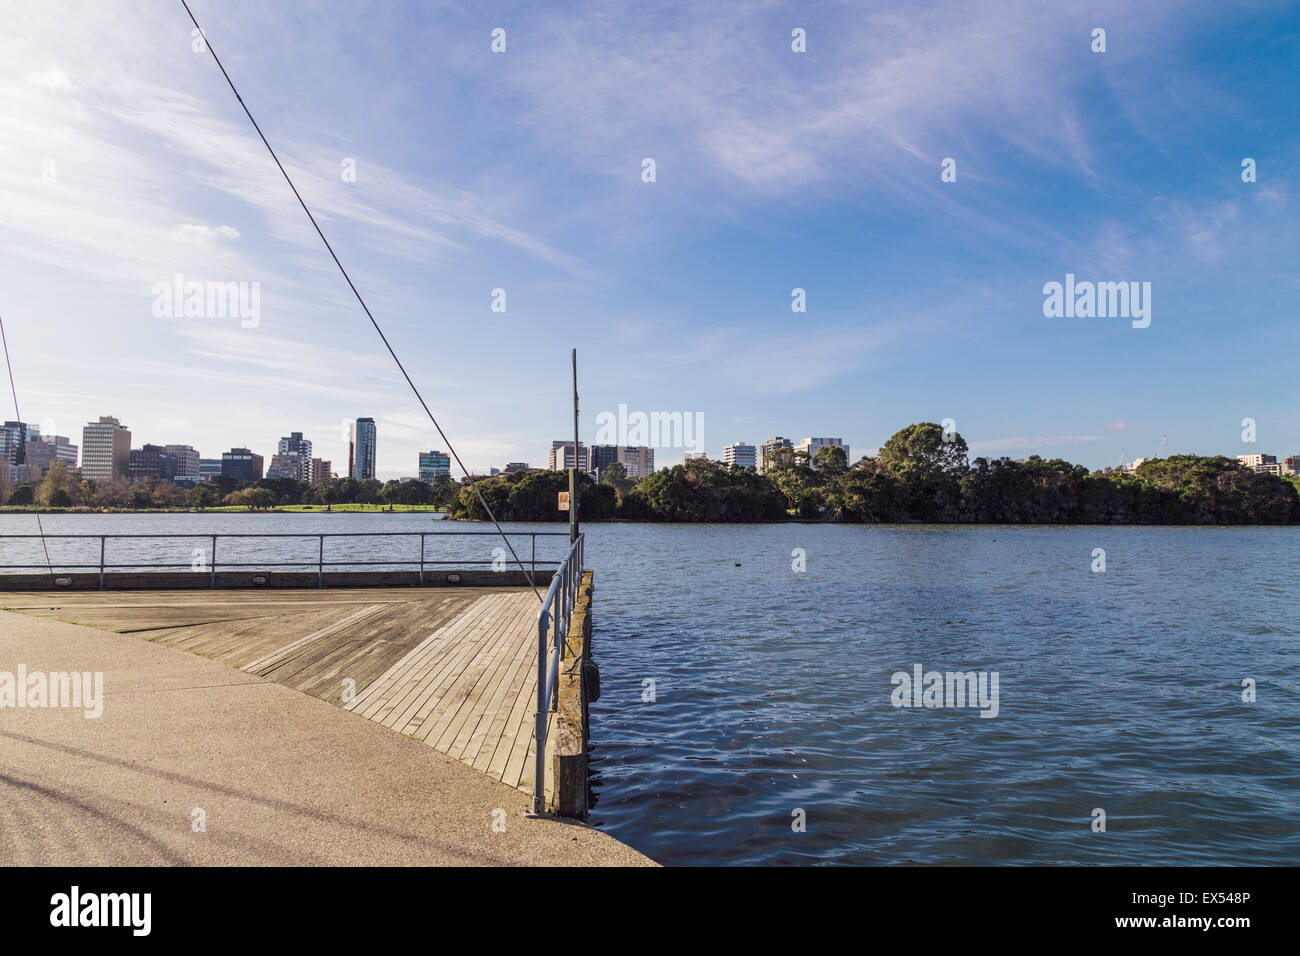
(774, 170)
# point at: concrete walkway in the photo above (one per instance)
(280, 777)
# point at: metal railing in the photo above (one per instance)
(208, 563)
(552, 629)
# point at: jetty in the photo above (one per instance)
(473, 664)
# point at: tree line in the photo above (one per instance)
(63, 488)
(922, 474)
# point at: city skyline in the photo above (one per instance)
(924, 298)
(296, 444)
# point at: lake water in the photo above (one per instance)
(1118, 690)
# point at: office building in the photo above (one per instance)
(602, 455)
(105, 450)
(741, 455)
(561, 457)
(361, 449)
(811, 446)
(13, 441)
(432, 464)
(696, 456)
(514, 466)
(149, 461)
(241, 464)
(322, 470)
(209, 468)
(768, 450)
(1291, 465)
(183, 461)
(41, 452)
(638, 461)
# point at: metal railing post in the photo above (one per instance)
(539, 771)
(320, 563)
(102, 538)
(212, 582)
(421, 560)
(533, 560)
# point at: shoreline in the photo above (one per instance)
(420, 509)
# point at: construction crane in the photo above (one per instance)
(1156, 454)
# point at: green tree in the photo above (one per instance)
(21, 495)
(139, 498)
(368, 491)
(615, 476)
(53, 490)
(390, 492)
(831, 461)
(201, 496)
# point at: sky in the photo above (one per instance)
(125, 161)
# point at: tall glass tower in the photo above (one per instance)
(361, 449)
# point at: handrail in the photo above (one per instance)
(553, 619)
(320, 562)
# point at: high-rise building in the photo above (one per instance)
(602, 455)
(433, 464)
(148, 461)
(292, 459)
(811, 446)
(1291, 465)
(322, 470)
(105, 449)
(295, 444)
(209, 468)
(184, 461)
(13, 441)
(740, 455)
(41, 452)
(289, 465)
(769, 448)
(638, 461)
(561, 457)
(361, 449)
(242, 464)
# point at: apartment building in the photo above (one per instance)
(741, 455)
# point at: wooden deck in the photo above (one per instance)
(455, 668)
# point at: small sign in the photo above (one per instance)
(564, 501)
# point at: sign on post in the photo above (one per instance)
(564, 501)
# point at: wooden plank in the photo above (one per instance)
(288, 650)
(514, 642)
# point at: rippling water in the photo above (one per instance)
(1119, 690)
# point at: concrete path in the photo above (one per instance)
(280, 777)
